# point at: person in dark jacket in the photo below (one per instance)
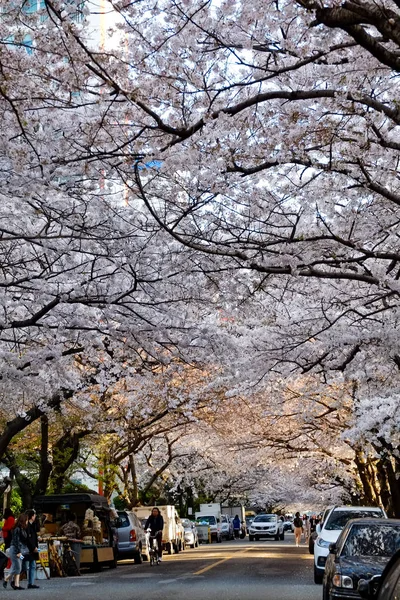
(3, 563)
(236, 526)
(155, 523)
(18, 549)
(298, 528)
(32, 543)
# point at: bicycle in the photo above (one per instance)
(153, 552)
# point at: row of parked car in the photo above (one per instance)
(133, 541)
(357, 554)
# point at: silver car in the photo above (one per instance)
(191, 535)
(132, 540)
(226, 527)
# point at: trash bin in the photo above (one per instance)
(204, 534)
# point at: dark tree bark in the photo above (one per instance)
(368, 488)
(45, 465)
(65, 452)
(24, 483)
(384, 485)
(20, 423)
(134, 495)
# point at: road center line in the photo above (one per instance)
(220, 562)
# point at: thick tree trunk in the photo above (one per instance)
(394, 486)
(65, 452)
(24, 483)
(368, 488)
(134, 491)
(385, 494)
(390, 466)
(20, 423)
(45, 465)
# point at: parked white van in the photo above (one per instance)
(173, 538)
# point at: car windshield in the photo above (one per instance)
(338, 518)
(265, 519)
(372, 540)
(207, 520)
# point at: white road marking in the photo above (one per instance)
(139, 575)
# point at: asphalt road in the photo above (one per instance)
(265, 570)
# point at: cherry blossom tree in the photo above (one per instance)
(219, 182)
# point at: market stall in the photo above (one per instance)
(96, 545)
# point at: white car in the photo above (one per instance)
(266, 526)
(226, 527)
(191, 535)
(329, 531)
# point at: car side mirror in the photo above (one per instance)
(318, 528)
(367, 588)
(332, 548)
(363, 589)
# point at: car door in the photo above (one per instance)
(140, 537)
(124, 528)
(390, 588)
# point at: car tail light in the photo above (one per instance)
(132, 535)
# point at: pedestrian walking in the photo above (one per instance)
(298, 528)
(3, 563)
(32, 543)
(18, 549)
(236, 526)
(9, 522)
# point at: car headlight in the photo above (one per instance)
(323, 543)
(347, 581)
(342, 581)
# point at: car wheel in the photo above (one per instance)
(137, 557)
(251, 538)
(311, 546)
(318, 577)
